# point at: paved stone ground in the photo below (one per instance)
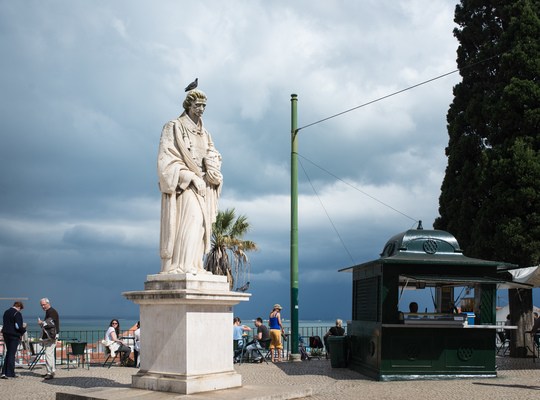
(517, 379)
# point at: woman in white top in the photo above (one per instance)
(112, 336)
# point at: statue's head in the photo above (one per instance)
(192, 96)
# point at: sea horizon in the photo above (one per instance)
(100, 323)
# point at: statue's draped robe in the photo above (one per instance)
(186, 215)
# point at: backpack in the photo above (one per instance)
(315, 342)
(49, 327)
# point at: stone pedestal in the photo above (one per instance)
(186, 333)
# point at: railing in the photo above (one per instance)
(96, 350)
(304, 333)
(314, 331)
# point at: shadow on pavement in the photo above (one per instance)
(528, 387)
(84, 382)
(319, 367)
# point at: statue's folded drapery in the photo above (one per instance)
(187, 156)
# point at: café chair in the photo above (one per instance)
(109, 356)
(35, 356)
(536, 346)
(78, 350)
(503, 343)
(264, 351)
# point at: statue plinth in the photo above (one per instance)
(186, 333)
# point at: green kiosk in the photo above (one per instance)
(388, 343)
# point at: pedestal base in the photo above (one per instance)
(186, 333)
(186, 384)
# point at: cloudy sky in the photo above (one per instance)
(86, 87)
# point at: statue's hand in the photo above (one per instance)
(212, 163)
(199, 185)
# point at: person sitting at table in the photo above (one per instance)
(263, 335)
(413, 311)
(115, 345)
(238, 337)
(336, 330)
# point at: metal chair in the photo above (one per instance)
(109, 356)
(503, 343)
(263, 350)
(35, 357)
(536, 346)
(78, 350)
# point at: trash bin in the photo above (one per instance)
(338, 351)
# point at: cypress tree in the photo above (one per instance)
(490, 196)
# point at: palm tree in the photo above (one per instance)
(227, 234)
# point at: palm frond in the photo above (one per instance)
(227, 255)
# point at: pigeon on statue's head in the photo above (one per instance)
(192, 85)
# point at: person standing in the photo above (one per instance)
(276, 330)
(137, 345)
(12, 330)
(49, 335)
(190, 183)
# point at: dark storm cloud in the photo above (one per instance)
(87, 86)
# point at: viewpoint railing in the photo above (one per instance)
(30, 346)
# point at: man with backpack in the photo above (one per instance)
(50, 328)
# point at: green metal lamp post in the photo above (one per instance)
(294, 228)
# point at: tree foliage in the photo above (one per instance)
(227, 255)
(490, 196)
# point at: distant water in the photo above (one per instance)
(68, 323)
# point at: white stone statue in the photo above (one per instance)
(190, 182)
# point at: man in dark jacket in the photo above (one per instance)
(12, 330)
(50, 333)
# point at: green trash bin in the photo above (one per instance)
(338, 351)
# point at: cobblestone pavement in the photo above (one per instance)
(517, 379)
